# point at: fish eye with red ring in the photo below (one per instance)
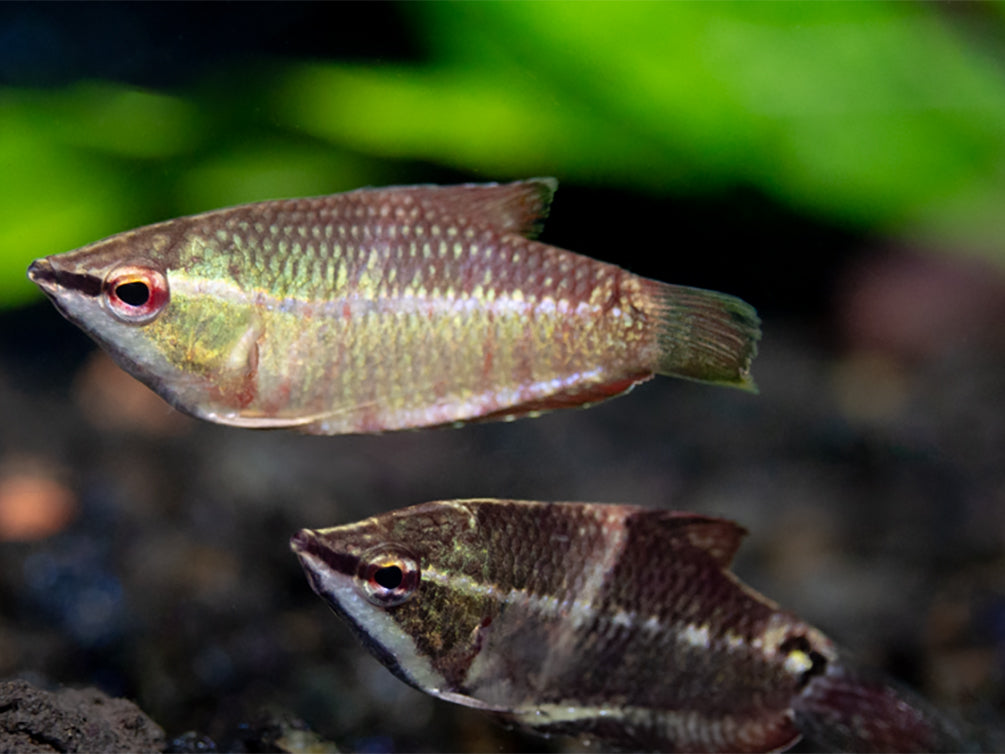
(388, 576)
(135, 294)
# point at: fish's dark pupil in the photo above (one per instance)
(134, 294)
(389, 577)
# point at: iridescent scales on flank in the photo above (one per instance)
(384, 309)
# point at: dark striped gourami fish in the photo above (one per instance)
(614, 622)
(384, 309)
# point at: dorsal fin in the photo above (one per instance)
(719, 537)
(518, 207)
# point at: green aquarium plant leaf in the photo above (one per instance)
(882, 116)
(887, 118)
(51, 197)
(117, 120)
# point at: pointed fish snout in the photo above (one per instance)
(301, 542)
(57, 278)
(309, 548)
(318, 555)
(40, 272)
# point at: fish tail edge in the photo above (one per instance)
(705, 335)
(846, 710)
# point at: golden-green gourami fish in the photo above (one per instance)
(616, 622)
(384, 309)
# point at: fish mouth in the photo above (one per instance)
(303, 541)
(310, 552)
(52, 279)
(41, 273)
(319, 558)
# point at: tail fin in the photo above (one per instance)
(705, 335)
(843, 710)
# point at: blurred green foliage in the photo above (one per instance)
(884, 116)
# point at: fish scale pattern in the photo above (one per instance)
(384, 309)
(440, 319)
(613, 620)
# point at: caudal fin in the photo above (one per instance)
(843, 710)
(705, 335)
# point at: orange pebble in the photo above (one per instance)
(33, 507)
